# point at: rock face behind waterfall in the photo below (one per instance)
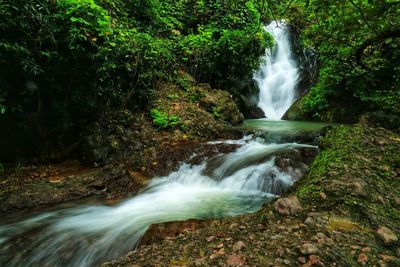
(345, 211)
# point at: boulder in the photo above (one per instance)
(387, 235)
(288, 206)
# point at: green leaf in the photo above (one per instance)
(388, 40)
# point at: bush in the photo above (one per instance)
(75, 59)
(164, 120)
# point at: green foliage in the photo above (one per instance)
(358, 44)
(216, 112)
(65, 62)
(164, 120)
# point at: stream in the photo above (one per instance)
(259, 170)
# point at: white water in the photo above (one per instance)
(278, 76)
(240, 182)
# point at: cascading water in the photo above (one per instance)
(278, 76)
(225, 185)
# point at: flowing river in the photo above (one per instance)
(257, 171)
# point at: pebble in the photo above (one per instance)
(287, 262)
(309, 221)
(321, 235)
(238, 246)
(386, 257)
(302, 260)
(210, 238)
(236, 260)
(313, 260)
(221, 245)
(308, 248)
(362, 259)
(366, 249)
(277, 237)
(358, 189)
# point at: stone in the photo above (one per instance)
(236, 260)
(385, 257)
(277, 237)
(288, 206)
(397, 201)
(302, 260)
(238, 246)
(366, 249)
(210, 238)
(358, 189)
(322, 195)
(309, 221)
(321, 235)
(308, 248)
(362, 259)
(314, 260)
(387, 235)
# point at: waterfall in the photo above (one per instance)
(224, 185)
(278, 76)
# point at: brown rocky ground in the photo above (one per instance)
(344, 212)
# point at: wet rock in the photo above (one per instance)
(288, 206)
(387, 235)
(308, 248)
(238, 246)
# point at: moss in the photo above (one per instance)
(355, 155)
(345, 224)
(308, 190)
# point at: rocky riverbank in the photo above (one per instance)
(123, 149)
(344, 212)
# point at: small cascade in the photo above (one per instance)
(224, 185)
(278, 76)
